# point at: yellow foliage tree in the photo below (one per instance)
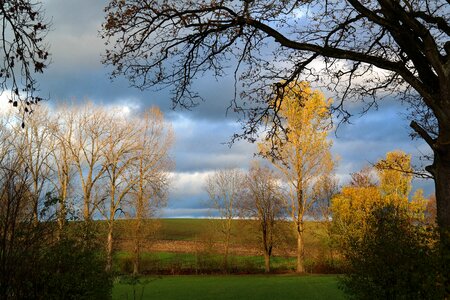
(353, 206)
(304, 152)
(378, 226)
(395, 174)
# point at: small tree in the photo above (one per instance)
(263, 202)
(324, 191)
(224, 188)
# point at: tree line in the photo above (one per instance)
(80, 163)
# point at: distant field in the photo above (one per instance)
(195, 246)
(232, 288)
(184, 229)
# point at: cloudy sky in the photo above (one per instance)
(77, 74)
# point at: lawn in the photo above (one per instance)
(231, 287)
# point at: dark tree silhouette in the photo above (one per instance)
(23, 52)
(362, 50)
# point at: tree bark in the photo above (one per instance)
(227, 249)
(300, 248)
(137, 244)
(441, 172)
(136, 258)
(109, 246)
(266, 262)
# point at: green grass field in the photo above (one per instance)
(232, 287)
(179, 259)
(192, 229)
(182, 263)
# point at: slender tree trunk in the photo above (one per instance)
(266, 262)
(62, 214)
(137, 248)
(62, 210)
(35, 204)
(136, 258)
(300, 248)
(227, 249)
(109, 246)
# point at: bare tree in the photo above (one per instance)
(87, 146)
(150, 175)
(323, 192)
(120, 153)
(363, 178)
(62, 128)
(361, 50)
(224, 188)
(263, 201)
(23, 50)
(38, 147)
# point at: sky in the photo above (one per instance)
(202, 133)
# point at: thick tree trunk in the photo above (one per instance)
(266, 262)
(109, 246)
(300, 249)
(441, 172)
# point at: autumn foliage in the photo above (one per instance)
(389, 249)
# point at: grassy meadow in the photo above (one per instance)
(195, 246)
(230, 287)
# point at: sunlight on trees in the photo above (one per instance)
(353, 206)
(389, 247)
(262, 201)
(362, 51)
(113, 163)
(304, 156)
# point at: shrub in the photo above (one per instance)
(74, 268)
(395, 259)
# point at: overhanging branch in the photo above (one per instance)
(423, 134)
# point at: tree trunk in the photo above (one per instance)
(225, 256)
(300, 249)
(109, 246)
(266, 262)
(137, 241)
(136, 258)
(441, 172)
(86, 208)
(62, 212)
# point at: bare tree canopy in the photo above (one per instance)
(23, 50)
(342, 44)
